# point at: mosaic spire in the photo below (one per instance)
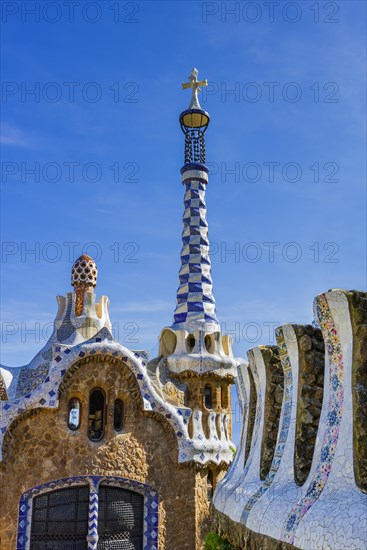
(195, 304)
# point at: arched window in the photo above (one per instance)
(208, 399)
(168, 342)
(190, 343)
(96, 417)
(210, 485)
(118, 415)
(74, 415)
(209, 342)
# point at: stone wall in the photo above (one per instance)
(202, 518)
(40, 448)
(358, 308)
(251, 413)
(273, 405)
(241, 537)
(311, 357)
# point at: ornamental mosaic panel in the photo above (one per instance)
(29, 379)
(335, 408)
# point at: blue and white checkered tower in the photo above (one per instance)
(195, 305)
(194, 343)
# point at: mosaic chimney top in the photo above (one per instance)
(84, 279)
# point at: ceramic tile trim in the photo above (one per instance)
(283, 425)
(330, 437)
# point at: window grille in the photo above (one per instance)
(120, 519)
(60, 519)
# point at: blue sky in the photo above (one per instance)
(101, 132)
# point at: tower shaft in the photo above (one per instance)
(195, 304)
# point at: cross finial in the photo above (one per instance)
(194, 84)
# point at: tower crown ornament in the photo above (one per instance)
(194, 122)
(194, 84)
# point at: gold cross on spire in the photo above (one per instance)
(194, 84)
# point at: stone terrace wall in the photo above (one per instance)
(358, 307)
(273, 404)
(314, 495)
(310, 391)
(251, 413)
(243, 538)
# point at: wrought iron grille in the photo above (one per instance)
(60, 519)
(120, 519)
(194, 146)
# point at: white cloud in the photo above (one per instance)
(13, 136)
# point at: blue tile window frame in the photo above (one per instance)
(150, 541)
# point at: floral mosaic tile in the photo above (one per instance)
(335, 408)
